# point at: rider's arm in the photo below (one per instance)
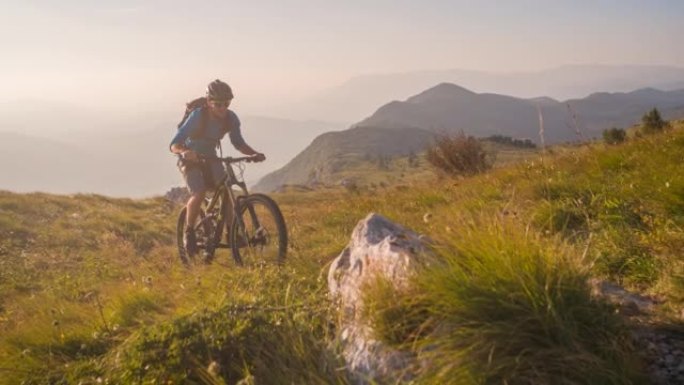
(236, 138)
(191, 124)
(247, 150)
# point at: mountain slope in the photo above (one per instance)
(334, 151)
(448, 108)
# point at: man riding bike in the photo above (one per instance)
(195, 144)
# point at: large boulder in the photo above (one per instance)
(378, 249)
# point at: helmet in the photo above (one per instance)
(219, 90)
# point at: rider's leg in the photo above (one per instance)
(193, 208)
(196, 188)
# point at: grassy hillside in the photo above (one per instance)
(335, 151)
(90, 286)
(366, 157)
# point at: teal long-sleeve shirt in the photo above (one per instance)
(213, 133)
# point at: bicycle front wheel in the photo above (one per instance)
(258, 235)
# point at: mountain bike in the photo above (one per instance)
(256, 235)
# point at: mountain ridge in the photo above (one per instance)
(448, 108)
(360, 95)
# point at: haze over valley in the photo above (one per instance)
(126, 157)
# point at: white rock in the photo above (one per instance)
(378, 249)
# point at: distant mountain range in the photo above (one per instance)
(450, 108)
(358, 97)
(402, 127)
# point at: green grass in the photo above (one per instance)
(278, 334)
(90, 287)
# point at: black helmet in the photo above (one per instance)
(219, 90)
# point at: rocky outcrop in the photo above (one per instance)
(382, 249)
(661, 347)
(663, 351)
(378, 249)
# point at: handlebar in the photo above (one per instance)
(229, 159)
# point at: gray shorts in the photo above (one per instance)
(201, 178)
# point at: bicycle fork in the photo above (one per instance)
(242, 226)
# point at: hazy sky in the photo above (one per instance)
(123, 52)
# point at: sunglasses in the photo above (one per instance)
(220, 103)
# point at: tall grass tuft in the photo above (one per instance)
(503, 306)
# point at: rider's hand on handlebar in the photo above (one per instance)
(259, 157)
(190, 155)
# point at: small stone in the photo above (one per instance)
(214, 368)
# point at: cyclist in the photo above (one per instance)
(195, 143)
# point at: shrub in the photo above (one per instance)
(614, 135)
(652, 122)
(521, 143)
(458, 155)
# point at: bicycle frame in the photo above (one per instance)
(254, 226)
(225, 191)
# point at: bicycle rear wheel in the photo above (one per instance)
(258, 235)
